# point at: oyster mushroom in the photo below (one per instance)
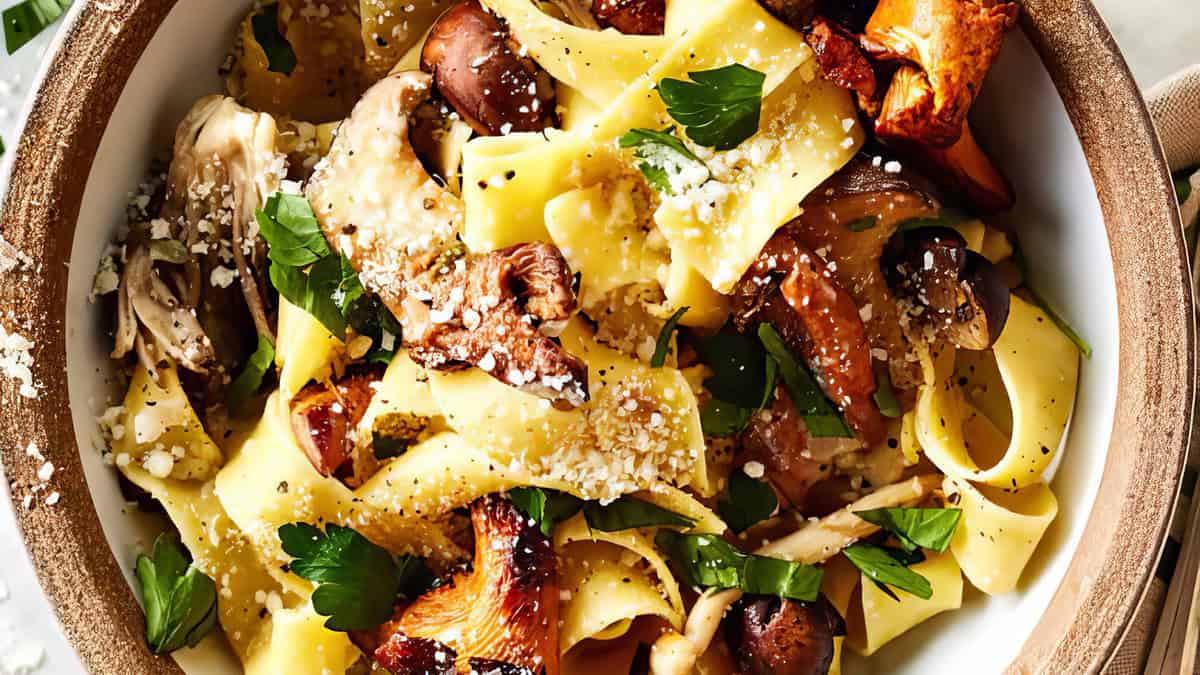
(793, 289)
(378, 206)
(502, 614)
(632, 17)
(967, 297)
(476, 69)
(324, 417)
(948, 47)
(176, 332)
(774, 636)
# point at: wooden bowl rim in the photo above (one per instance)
(1092, 607)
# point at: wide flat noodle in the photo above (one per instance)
(999, 531)
(641, 426)
(305, 351)
(158, 420)
(884, 619)
(1040, 370)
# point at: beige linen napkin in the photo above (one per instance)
(1158, 641)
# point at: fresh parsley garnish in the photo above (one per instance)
(742, 382)
(357, 580)
(718, 108)
(924, 528)
(289, 225)
(885, 396)
(821, 418)
(1018, 257)
(627, 513)
(888, 566)
(662, 346)
(24, 20)
(668, 165)
(707, 561)
(180, 600)
(751, 501)
(862, 224)
(281, 57)
(549, 508)
(248, 382)
(314, 291)
(329, 289)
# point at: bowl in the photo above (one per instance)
(1061, 114)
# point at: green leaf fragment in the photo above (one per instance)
(662, 346)
(180, 600)
(885, 396)
(707, 561)
(290, 227)
(927, 528)
(750, 502)
(718, 108)
(627, 513)
(882, 566)
(250, 380)
(820, 416)
(863, 224)
(25, 20)
(668, 165)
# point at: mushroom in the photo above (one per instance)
(456, 309)
(776, 636)
(842, 60)
(502, 614)
(966, 168)
(174, 327)
(632, 17)
(947, 47)
(966, 296)
(795, 13)
(324, 417)
(487, 311)
(476, 68)
(793, 289)
(403, 655)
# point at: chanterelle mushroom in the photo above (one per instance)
(399, 227)
(948, 46)
(504, 613)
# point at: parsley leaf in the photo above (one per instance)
(743, 381)
(251, 378)
(885, 396)
(882, 566)
(627, 513)
(550, 507)
(722, 419)
(281, 58)
(719, 108)
(314, 292)
(821, 418)
(750, 501)
(663, 158)
(547, 507)
(180, 600)
(24, 20)
(708, 561)
(357, 580)
(926, 528)
(290, 227)
(663, 346)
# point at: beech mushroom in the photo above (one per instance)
(324, 417)
(478, 72)
(501, 615)
(632, 17)
(377, 205)
(965, 295)
(791, 287)
(775, 636)
(948, 47)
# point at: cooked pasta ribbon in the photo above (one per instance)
(1040, 369)
(884, 618)
(999, 531)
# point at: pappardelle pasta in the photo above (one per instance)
(646, 336)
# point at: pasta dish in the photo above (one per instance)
(625, 336)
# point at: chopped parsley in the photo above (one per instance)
(820, 416)
(662, 346)
(248, 382)
(718, 108)
(889, 567)
(750, 501)
(668, 165)
(708, 561)
(924, 528)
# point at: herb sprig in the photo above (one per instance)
(357, 580)
(924, 528)
(707, 561)
(25, 20)
(668, 165)
(180, 600)
(718, 108)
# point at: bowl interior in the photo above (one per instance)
(1020, 119)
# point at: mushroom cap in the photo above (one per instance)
(631, 17)
(778, 636)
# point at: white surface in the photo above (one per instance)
(1158, 37)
